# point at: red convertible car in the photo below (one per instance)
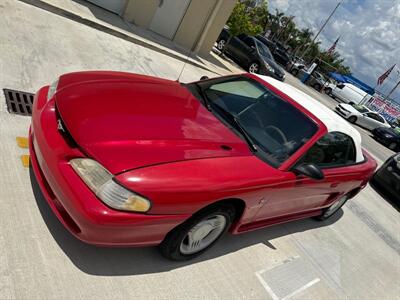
(131, 160)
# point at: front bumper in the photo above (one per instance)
(380, 137)
(74, 204)
(342, 112)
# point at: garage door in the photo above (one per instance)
(116, 6)
(168, 16)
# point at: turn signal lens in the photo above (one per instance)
(101, 182)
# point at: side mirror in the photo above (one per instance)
(309, 170)
(340, 86)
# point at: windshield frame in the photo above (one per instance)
(196, 87)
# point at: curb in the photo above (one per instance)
(74, 17)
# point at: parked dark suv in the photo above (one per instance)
(277, 49)
(250, 54)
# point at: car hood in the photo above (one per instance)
(390, 131)
(275, 66)
(350, 108)
(127, 121)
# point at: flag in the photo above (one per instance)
(382, 78)
(332, 48)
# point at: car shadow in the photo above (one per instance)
(103, 261)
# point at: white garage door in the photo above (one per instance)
(116, 6)
(168, 16)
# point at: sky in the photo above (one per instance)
(369, 33)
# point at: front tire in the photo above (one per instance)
(198, 233)
(328, 91)
(254, 67)
(392, 146)
(352, 119)
(333, 209)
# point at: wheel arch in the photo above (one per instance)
(237, 203)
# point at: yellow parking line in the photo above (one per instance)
(22, 142)
(25, 160)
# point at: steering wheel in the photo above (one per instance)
(280, 133)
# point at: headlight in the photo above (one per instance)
(269, 68)
(52, 89)
(101, 182)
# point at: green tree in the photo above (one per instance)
(240, 21)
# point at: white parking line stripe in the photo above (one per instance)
(266, 286)
(304, 287)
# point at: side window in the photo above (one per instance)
(377, 118)
(249, 42)
(335, 149)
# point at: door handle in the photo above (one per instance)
(334, 184)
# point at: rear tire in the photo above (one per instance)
(221, 44)
(392, 146)
(352, 119)
(294, 72)
(180, 243)
(328, 91)
(333, 209)
(317, 87)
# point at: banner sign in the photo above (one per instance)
(389, 110)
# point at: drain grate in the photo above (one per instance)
(288, 279)
(19, 102)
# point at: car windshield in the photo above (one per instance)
(263, 50)
(274, 126)
(360, 108)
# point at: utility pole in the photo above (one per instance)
(323, 26)
(387, 97)
(391, 92)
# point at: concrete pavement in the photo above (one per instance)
(354, 256)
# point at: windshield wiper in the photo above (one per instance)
(246, 136)
(206, 102)
(236, 122)
(239, 127)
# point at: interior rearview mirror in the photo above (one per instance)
(203, 77)
(309, 170)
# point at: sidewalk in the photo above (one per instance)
(108, 22)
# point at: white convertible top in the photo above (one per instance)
(331, 120)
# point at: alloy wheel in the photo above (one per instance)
(253, 68)
(334, 207)
(203, 234)
(221, 45)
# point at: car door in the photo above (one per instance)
(370, 121)
(333, 153)
(246, 49)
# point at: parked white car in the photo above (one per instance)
(348, 93)
(361, 115)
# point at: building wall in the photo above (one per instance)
(216, 22)
(199, 28)
(193, 22)
(140, 12)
